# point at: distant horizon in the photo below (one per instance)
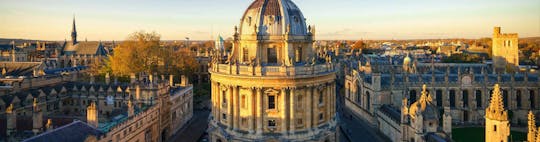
(2, 38)
(51, 20)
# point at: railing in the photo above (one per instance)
(248, 70)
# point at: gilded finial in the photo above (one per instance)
(9, 109)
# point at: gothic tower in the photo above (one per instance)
(92, 115)
(497, 124)
(531, 135)
(37, 118)
(505, 50)
(74, 33)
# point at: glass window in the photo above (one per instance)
(271, 123)
(272, 102)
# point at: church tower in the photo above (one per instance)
(497, 124)
(74, 33)
(505, 50)
(37, 118)
(92, 115)
(531, 135)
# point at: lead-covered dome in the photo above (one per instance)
(273, 18)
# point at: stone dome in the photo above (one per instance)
(273, 18)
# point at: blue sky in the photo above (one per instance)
(205, 19)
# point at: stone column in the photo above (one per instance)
(260, 113)
(230, 115)
(326, 102)
(333, 102)
(292, 103)
(314, 106)
(236, 107)
(252, 112)
(217, 99)
(310, 109)
(284, 110)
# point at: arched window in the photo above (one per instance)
(298, 55)
(465, 98)
(452, 98)
(532, 98)
(358, 98)
(518, 99)
(412, 96)
(439, 98)
(368, 104)
(478, 95)
(505, 98)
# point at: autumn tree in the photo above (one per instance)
(142, 52)
(358, 45)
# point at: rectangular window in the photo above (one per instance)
(243, 102)
(321, 116)
(244, 121)
(299, 121)
(272, 55)
(224, 98)
(224, 116)
(245, 55)
(452, 98)
(271, 123)
(299, 102)
(272, 102)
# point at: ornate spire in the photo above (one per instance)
(74, 32)
(9, 109)
(35, 105)
(496, 107)
(531, 135)
(49, 125)
(538, 135)
(425, 97)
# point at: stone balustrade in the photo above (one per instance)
(277, 71)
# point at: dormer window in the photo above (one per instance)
(249, 21)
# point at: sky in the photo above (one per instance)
(206, 19)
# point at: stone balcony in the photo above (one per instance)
(305, 70)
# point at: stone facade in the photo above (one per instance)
(151, 108)
(505, 50)
(374, 91)
(272, 87)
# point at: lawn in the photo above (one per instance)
(476, 134)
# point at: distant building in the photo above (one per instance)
(80, 53)
(505, 50)
(375, 88)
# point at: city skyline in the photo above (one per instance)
(203, 20)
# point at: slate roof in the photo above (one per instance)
(84, 48)
(76, 131)
(20, 68)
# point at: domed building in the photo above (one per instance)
(272, 86)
